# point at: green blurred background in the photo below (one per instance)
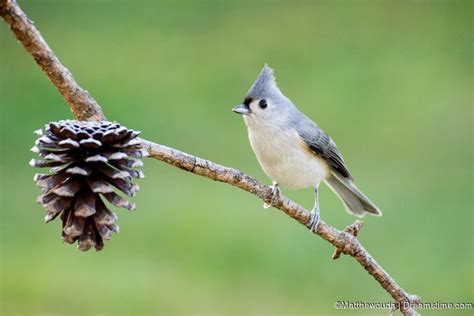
(391, 81)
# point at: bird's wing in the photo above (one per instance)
(322, 145)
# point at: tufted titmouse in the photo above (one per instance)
(293, 151)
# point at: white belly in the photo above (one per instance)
(286, 159)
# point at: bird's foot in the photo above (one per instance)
(275, 194)
(315, 218)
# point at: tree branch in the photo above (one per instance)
(85, 107)
(81, 103)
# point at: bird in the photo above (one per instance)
(294, 151)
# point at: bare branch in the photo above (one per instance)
(352, 229)
(85, 107)
(344, 241)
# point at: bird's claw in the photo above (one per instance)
(275, 194)
(314, 222)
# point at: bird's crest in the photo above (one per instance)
(265, 84)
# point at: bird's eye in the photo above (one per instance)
(263, 104)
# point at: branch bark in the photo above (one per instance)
(85, 107)
(81, 103)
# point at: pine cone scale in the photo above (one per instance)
(85, 204)
(68, 188)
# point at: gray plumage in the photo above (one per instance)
(265, 85)
(321, 144)
(293, 150)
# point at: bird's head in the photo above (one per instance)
(264, 102)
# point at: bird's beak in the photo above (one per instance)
(241, 109)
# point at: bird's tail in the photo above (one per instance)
(353, 199)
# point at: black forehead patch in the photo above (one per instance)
(247, 101)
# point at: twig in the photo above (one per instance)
(81, 103)
(85, 107)
(352, 229)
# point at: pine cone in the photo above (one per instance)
(88, 160)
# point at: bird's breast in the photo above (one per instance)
(286, 159)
